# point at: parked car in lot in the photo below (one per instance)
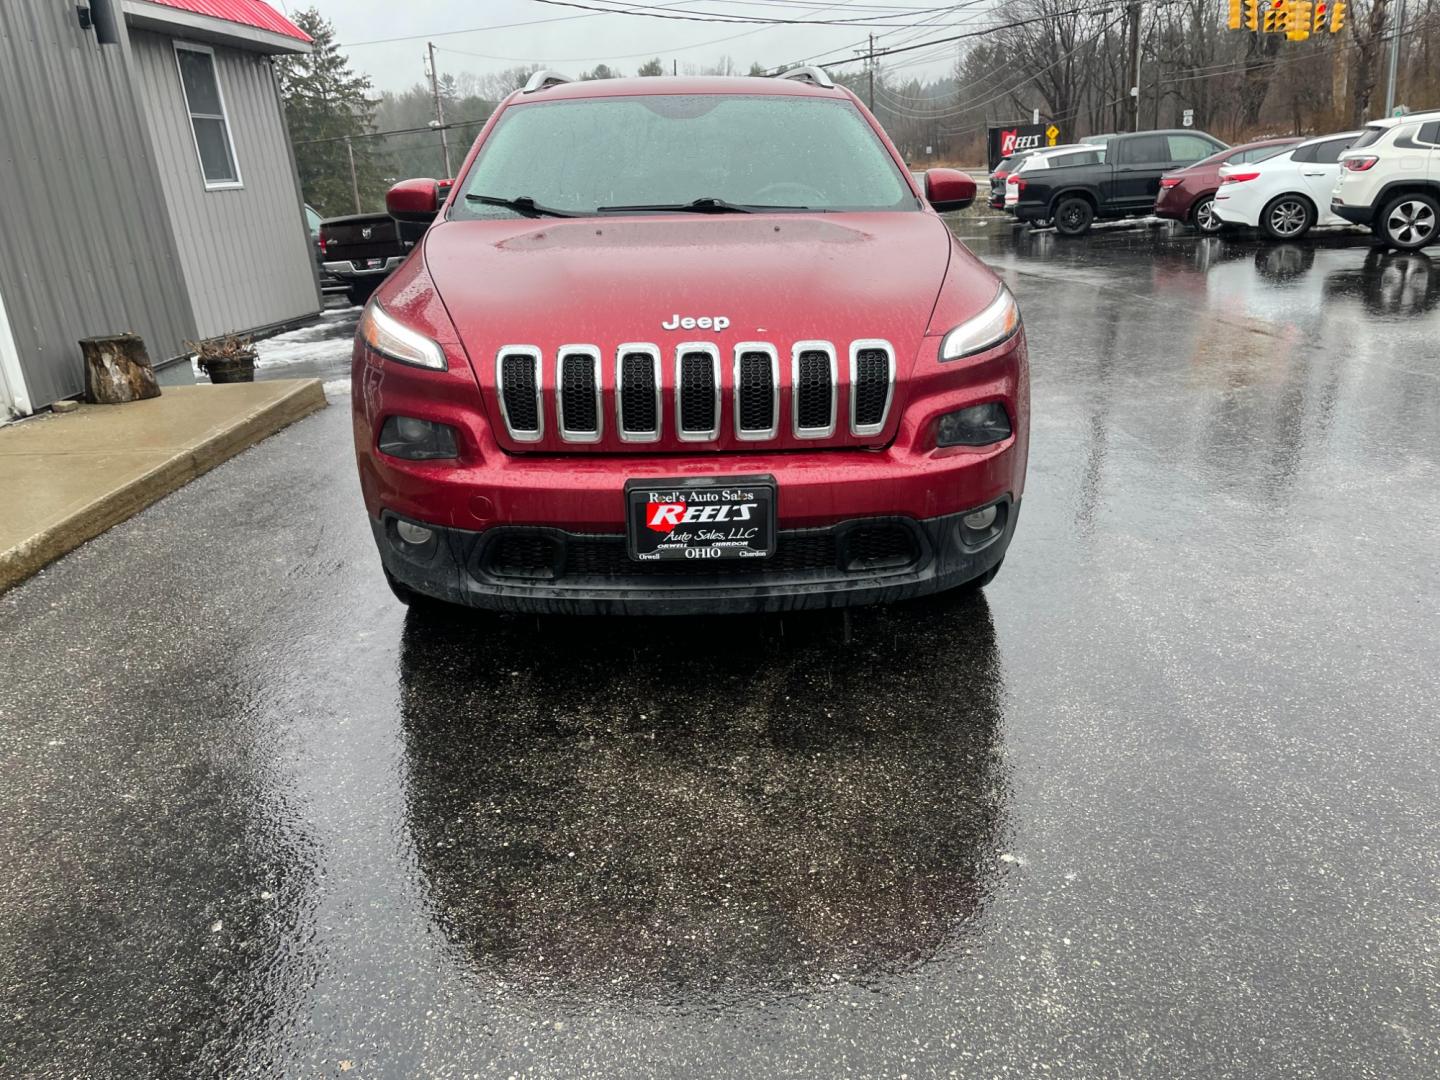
(362, 250)
(1188, 194)
(1287, 194)
(1123, 184)
(1390, 180)
(1051, 157)
(1001, 173)
(736, 362)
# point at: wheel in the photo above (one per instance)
(1204, 218)
(1287, 217)
(976, 584)
(359, 293)
(1409, 222)
(1073, 216)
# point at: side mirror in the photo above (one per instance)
(948, 189)
(413, 204)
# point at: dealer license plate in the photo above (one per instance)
(700, 520)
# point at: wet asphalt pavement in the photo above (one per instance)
(1164, 802)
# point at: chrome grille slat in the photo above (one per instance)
(637, 392)
(813, 389)
(697, 392)
(577, 382)
(872, 385)
(756, 381)
(518, 381)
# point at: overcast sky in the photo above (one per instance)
(571, 40)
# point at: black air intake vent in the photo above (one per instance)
(871, 380)
(814, 392)
(757, 401)
(520, 393)
(697, 396)
(639, 396)
(579, 396)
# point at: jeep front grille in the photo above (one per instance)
(872, 383)
(697, 393)
(813, 390)
(757, 392)
(677, 395)
(518, 377)
(579, 382)
(638, 393)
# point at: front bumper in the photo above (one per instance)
(552, 571)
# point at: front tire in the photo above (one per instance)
(1073, 216)
(1409, 222)
(1287, 217)
(1204, 218)
(359, 293)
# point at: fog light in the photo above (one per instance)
(418, 534)
(417, 440)
(979, 425)
(980, 520)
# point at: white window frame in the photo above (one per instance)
(224, 117)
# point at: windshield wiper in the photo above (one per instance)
(706, 204)
(522, 204)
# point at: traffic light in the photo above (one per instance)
(1322, 12)
(1277, 17)
(1298, 26)
(1337, 15)
(1235, 14)
(1252, 14)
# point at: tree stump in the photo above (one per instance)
(117, 369)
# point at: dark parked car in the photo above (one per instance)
(1123, 185)
(361, 250)
(1188, 195)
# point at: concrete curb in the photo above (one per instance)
(128, 499)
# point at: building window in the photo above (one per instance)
(208, 122)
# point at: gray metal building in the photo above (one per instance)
(148, 184)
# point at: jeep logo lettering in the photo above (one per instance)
(704, 322)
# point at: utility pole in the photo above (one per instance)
(439, 111)
(354, 180)
(1139, 10)
(871, 66)
(1396, 28)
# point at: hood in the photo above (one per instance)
(604, 282)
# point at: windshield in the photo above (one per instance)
(762, 151)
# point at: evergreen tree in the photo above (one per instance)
(324, 102)
(652, 67)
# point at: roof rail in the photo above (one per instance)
(808, 73)
(543, 80)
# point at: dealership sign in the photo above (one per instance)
(1007, 139)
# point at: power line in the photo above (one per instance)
(695, 16)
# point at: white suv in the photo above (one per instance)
(1390, 180)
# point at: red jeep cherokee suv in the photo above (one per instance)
(688, 345)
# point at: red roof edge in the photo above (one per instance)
(255, 14)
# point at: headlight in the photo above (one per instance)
(979, 425)
(395, 340)
(417, 440)
(995, 324)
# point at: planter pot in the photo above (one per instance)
(235, 369)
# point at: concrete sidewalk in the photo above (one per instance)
(65, 479)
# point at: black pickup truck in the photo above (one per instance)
(1123, 184)
(362, 249)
